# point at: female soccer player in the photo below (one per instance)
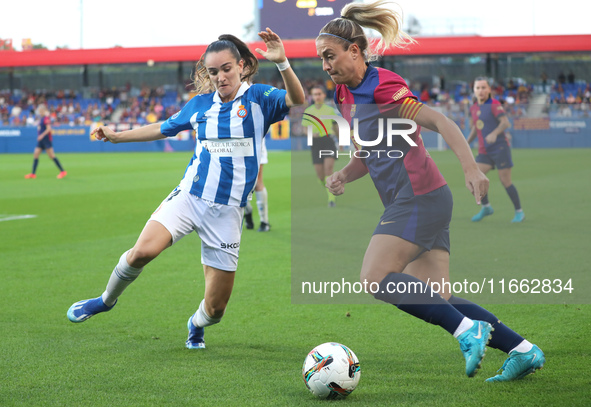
(323, 162)
(44, 142)
(230, 122)
(410, 244)
(489, 122)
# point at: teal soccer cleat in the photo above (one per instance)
(519, 217)
(82, 310)
(519, 365)
(484, 211)
(195, 339)
(473, 345)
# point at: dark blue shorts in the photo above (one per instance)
(45, 143)
(422, 219)
(500, 158)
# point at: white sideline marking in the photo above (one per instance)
(15, 217)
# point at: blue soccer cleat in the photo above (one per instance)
(519, 365)
(473, 345)
(82, 310)
(195, 339)
(519, 217)
(484, 211)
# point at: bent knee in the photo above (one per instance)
(373, 277)
(140, 256)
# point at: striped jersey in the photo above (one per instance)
(229, 137)
(383, 94)
(486, 117)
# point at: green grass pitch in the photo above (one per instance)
(135, 355)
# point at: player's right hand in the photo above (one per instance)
(336, 183)
(477, 184)
(104, 133)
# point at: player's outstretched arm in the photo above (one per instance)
(354, 170)
(145, 133)
(476, 181)
(276, 53)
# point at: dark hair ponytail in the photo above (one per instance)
(239, 50)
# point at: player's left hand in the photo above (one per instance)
(477, 184)
(275, 51)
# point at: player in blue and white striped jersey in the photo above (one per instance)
(230, 117)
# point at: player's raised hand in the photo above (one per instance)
(477, 184)
(275, 51)
(336, 183)
(104, 133)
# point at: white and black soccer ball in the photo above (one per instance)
(331, 371)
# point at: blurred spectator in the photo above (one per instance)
(424, 96)
(561, 78)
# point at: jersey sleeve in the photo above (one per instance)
(393, 96)
(179, 121)
(272, 100)
(497, 109)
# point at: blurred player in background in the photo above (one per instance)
(323, 162)
(230, 118)
(489, 123)
(262, 197)
(45, 142)
(410, 245)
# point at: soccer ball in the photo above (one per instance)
(331, 371)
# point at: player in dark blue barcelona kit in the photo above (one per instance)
(489, 123)
(44, 142)
(410, 244)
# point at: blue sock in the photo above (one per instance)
(512, 191)
(418, 300)
(57, 162)
(35, 163)
(503, 338)
(484, 200)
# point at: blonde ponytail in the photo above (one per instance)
(376, 15)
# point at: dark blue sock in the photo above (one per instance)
(35, 163)
(57, 162)
(512, 191)
(503, 338)
(484, 200)
(417, 299)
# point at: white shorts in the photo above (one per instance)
(264, 157)
(219, 226)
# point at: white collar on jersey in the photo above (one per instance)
(241, 90)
